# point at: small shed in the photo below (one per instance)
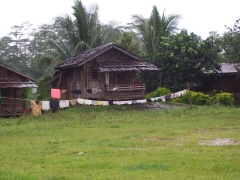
(226, 80)
(12, 84)
(107, 72)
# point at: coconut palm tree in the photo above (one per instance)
(84, 30)
(151, 30)
(80, 32)
(68, 35)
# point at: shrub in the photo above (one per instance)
(224, 98)
(158, 92)
(198, 98)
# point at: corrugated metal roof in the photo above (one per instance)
(126, 65)
(16, 83)
(229, 68)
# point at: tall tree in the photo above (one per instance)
(230, 43)
(183, 57)
(70, 35)
(126, 41)
(151, 30)
(15, 48)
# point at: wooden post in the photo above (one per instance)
(190, 95)
(13, 104)
(107, 80)
(60, 78)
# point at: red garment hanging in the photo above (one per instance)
(55, 93)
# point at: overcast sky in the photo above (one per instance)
(198, 16)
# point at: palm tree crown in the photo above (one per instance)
(151, 30)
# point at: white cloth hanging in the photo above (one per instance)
(63, 103)
(45, 105)
(34, 90)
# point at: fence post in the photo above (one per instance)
(190, 95)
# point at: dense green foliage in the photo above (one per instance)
(224, 98)
(126, 41)
(198, 98)
(29, 95)
(161, 91)
(121, 142)
(230, 43)
(182, 57)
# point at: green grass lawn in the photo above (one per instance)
(121, 142)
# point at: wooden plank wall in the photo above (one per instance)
(112, 55)
(126, 77)
(5, 73)
(12, 107)
(226, 83)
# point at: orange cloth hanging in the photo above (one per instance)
(73, 102)
(63, 91)
(36, 108)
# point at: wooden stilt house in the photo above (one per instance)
(12, 84)
(108, 72)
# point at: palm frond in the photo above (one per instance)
(81, 46)
(43, 61)
(81, 16)
(151, 30)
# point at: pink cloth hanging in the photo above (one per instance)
(55, 93)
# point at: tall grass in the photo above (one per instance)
(121, 142)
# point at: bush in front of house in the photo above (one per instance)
(198, 98)
(161, 91)
(224, 98)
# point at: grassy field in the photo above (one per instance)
(122, 142)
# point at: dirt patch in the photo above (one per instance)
(219, 142)
(154, 106)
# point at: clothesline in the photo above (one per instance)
(163, 98)
(169, 96)
(53, 104)
(19, 99)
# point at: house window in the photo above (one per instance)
(94, 74)
(78, 75)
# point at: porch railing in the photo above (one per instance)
(125, 91)
(126, 87)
